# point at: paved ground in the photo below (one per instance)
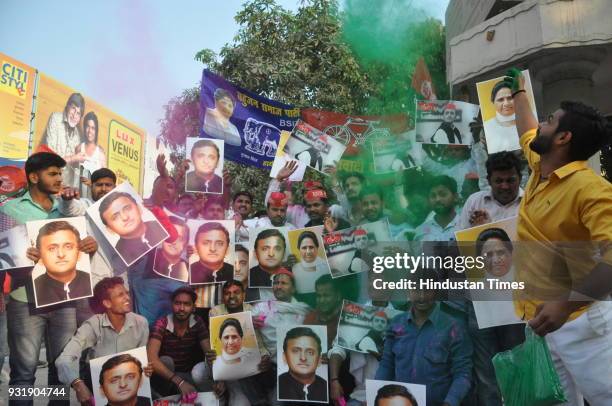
(41, 380)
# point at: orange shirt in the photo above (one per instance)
(564, 229)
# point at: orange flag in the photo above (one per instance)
(421, 81)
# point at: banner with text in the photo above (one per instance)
(16, 93)
(249, 124)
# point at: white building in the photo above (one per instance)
(565, 44)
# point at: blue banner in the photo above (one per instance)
(249, 124)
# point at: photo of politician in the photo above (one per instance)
(57, 277)
(268, 249)
(128, 226)
(212, 245)
(217, 121)
(170, 256)
(120, 379)
(301, 351)
(207, 166)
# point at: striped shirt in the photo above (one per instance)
(185, 351)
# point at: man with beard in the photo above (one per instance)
(169, 259)
(441, 223)
(26, 330)
(115, 329)
(430, 337)
(121, 214)
(176, 348)
(63, 136)
(447, 128)
(312, 156)
(270, 247)
(276, 216)
(211, 243)
(352, 183)
(566, 201)
(328, 307)
(372, 204)
(317, 207)
(504, 198)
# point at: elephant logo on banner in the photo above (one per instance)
(261, 138)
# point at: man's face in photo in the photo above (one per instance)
(120, 384)
(175, 249)
(73, 113)
(205, 160)
(211, 247)
(379, 324)
(361, 242)
(241, 267)
(59, 252)
(270, 252)
(124, 217)
(101, 187)
(449, 115)
(302, 356)
(319, 145)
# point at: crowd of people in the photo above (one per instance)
(159, 302)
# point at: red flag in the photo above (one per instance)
(421, 81)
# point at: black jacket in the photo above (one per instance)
(290, 389)
(49, 290)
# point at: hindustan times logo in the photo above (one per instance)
(412, 263)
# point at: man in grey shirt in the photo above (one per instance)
(116, 329)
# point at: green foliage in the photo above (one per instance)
(311, 58)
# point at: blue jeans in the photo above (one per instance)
(26, 332)
(487, 342)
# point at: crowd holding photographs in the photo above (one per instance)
(269, 293)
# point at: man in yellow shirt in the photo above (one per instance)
(565, 229)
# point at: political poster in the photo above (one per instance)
(498, 115)
(395, 393)
(249, 124)
(445, 122)
(13, 247)
(88, 135)
(17, 82)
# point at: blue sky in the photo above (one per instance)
(131, 56)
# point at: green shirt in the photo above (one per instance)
(23, 209)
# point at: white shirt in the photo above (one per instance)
(430, 230)
(242, 234)
(306, 274)
(484, 200)
(500, 138)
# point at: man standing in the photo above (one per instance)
(58, 244)
(121, 214)
(302, 354)
(270, 249)
(205, 158)
(62, 135)
(504, 198)
(115, 329)
(26, 329)
(328, 307)
(211, 244)
(352, 183)
(276, 210)
(372, 204)
(447, 128)
(177, 345)
(566, 202)
(317, 207)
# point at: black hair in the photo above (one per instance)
(231, 322)
(55, 226)
(184, 289)
(206, 227)
(90, 116)
(103, 173)
(205, 143)
(371, 190)
(298, 332)
(210, 200)
(77, 100)
(497, 87)
(489, 233)
(110, 199)
(326, 280)
(242, 193)
(177, 221)
(41, 161)
(307, 234)
(590, 129)
(502, 161)
(241, 248)
(271, 232)
(232, 282)
(353, 175)
(118, 360)
(101, 292)
(221, 93)
(392, 391)
(444, 180)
